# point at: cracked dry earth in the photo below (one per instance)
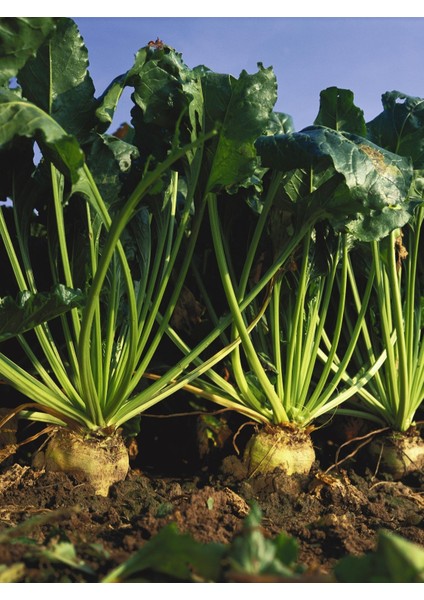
(333, 512)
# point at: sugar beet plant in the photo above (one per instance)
(324, 189)
(106, 221)
(92, 233)
(394, 321)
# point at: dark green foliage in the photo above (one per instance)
(56, 80)
(240, 109)
(400, 127)
(338, 112)
(20, 37)
(341, 177)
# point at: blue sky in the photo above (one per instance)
(367, 55)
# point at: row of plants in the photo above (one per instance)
(173, 556)
(283, 268)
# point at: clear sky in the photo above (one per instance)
(367, 55)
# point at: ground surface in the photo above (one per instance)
(332, 512)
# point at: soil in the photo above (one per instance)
(332, 512)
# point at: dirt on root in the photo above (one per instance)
(332, 512)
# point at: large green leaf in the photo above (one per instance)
(338, 111)
(241, 110)
(167, 101)
(395, 560)
(29, 310)
(20, 118)
(342, 177)
(20, 37)
(163, 89)
(400, 127)
(160, 86)
(173, 554)
(57, 80)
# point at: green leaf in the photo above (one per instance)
(11, 573)
(20, 37)
(29, 310)
(19, 118)
(404, 560)
(110, 160)
(338, 112)
(108, 101)
(369, 186)
(57, 80)
(254, 554)
(395, 560)
(167, 100)
(64, 552)
(241, 110)
(160, 86)
(175, 555)
(286, 549)
(400, 127)
(280, 123)
(361, 569)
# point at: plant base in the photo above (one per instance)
(287, 448)
(398, 454)
(102, 461)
